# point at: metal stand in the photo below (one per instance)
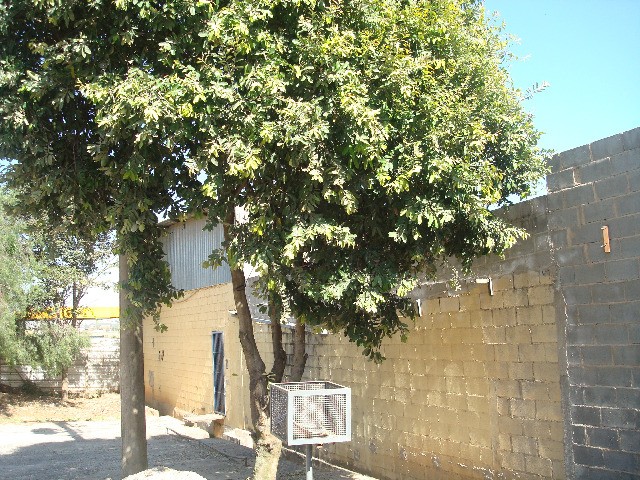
(309, 466)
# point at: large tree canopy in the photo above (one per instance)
(372, 137)
(365, 140)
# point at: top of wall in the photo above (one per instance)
(606, 157)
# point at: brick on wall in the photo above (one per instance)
(97, 370)
(178, 362)
(474, 390)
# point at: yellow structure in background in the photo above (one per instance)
(85, 313)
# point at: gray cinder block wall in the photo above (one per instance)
(592, 187)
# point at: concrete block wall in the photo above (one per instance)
(591, 187)
(475, 392)
(538, 378)
(96, 371)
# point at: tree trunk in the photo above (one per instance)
(75, 302)
(267, 446)
(299, 354)
(133, 423)
(279, 355)
(64, 385)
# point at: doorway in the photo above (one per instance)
(217, 347)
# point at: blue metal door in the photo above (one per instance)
(218, 372)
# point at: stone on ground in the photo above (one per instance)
(164, 473)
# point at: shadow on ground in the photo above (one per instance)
(91, 450)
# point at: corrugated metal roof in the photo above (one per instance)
(187, 246)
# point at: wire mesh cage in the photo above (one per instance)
(307, 413)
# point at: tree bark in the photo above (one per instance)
(64, 385)
(75, 302)
(133, 423)
(299, 354)
(279, 354)
(268, 447)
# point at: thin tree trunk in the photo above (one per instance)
(64, 385)
(133, 423)
(75, 301)
(268, 447)
(299, 354)
(279, 355)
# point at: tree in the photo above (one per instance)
(364, 141)
(26, 337)
(16, 272)
(49, 125)
(71, 265)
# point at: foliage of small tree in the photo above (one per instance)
(17, 270)
(55, 346)
(365, 141)
(32, 332)
(71, 266)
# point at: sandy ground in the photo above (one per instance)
(42, 439)
(19, 408)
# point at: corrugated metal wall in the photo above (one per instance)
(187, 245)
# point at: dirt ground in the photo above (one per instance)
(21, 408)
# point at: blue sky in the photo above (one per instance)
(589, 53)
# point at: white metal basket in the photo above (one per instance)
(308, 413)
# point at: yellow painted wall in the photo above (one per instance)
(178, 362)
(476, 389)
